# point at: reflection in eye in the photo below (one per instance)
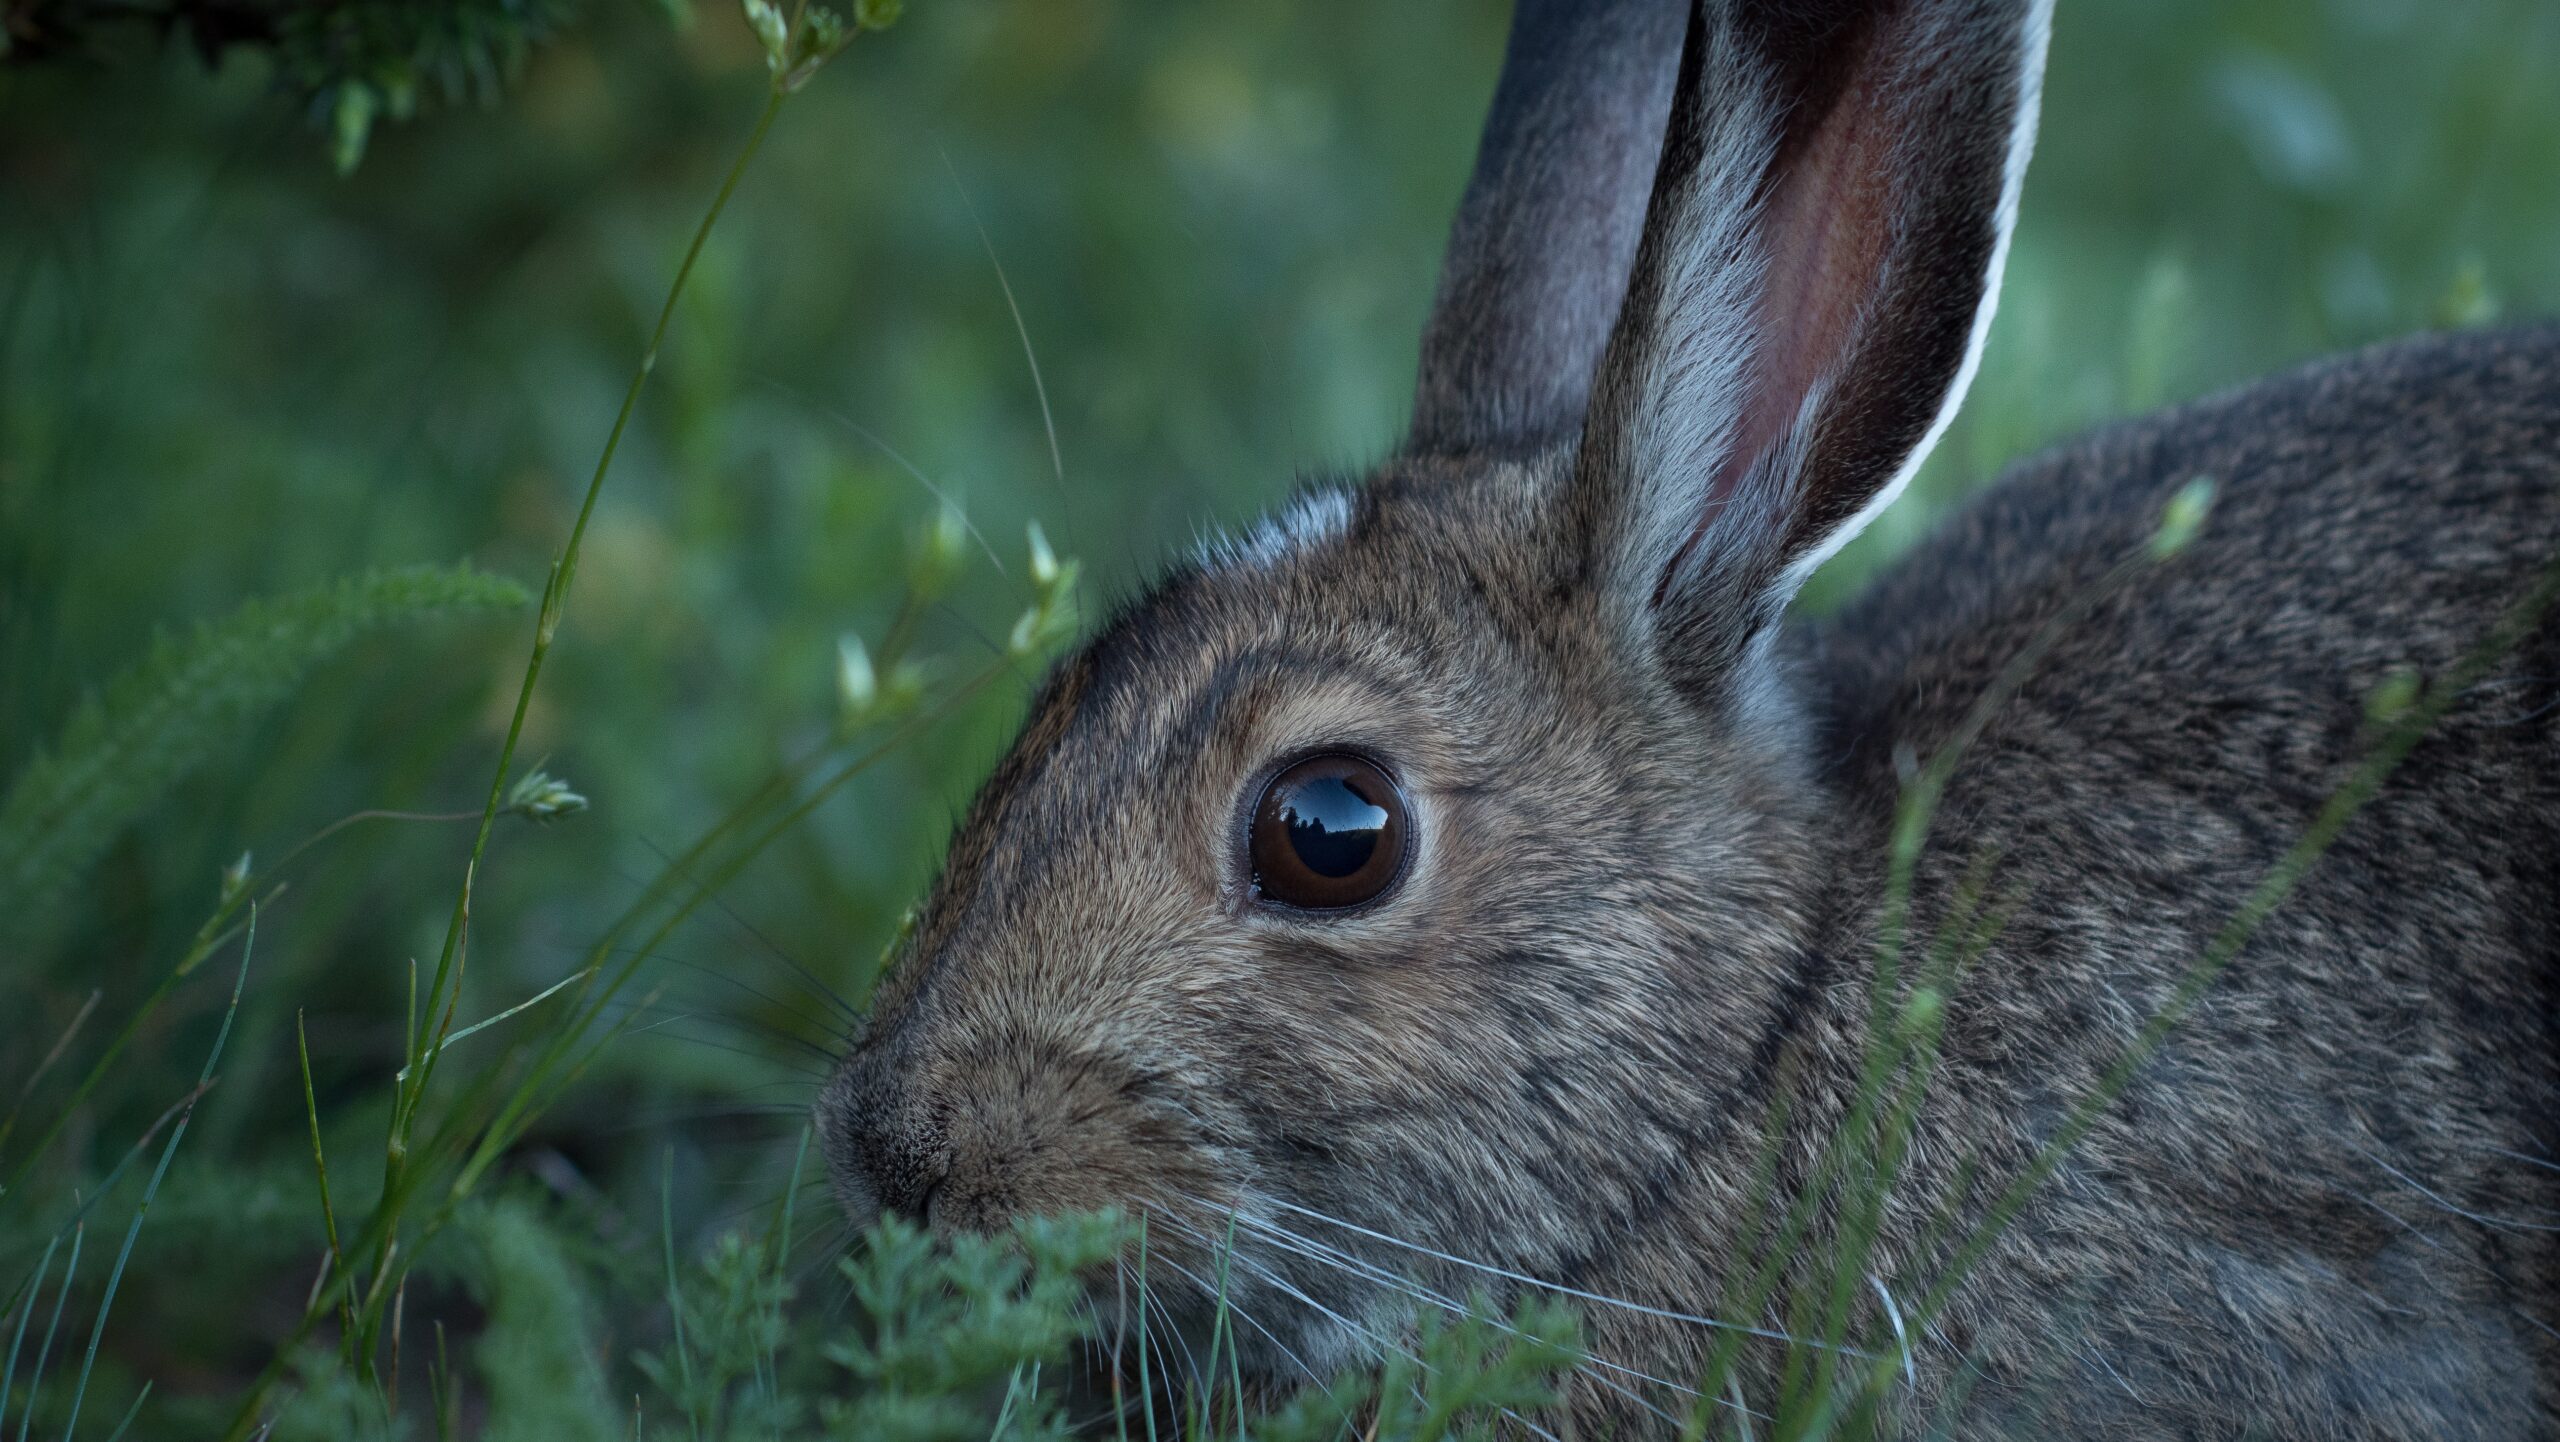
(1332, 827)
(1328, 834)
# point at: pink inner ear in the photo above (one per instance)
(1825, 226)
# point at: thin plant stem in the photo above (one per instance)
(423, 1049)
(564, 571)
(151, 1190)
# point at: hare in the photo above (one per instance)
(1473, 880)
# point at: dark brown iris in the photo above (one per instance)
(1329, 833)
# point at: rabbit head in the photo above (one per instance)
(1438, 857)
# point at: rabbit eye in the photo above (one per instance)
(1329, 833)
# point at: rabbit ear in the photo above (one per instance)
(1816, 276)
(1539, 253)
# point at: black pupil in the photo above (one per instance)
(1333, 828)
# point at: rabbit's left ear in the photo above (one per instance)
(1539, 253)
(1818, 267)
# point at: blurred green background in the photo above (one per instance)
(226, 372)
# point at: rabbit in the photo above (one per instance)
(1473, 879)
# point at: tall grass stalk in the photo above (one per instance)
(796, 48)
(151, 1190)
(25, 1307)
(44, 1349)
(675, 1287)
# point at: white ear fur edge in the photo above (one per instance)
(2033, 42)
(1315, 517)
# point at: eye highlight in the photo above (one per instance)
(1329, 833)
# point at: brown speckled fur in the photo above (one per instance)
(1652, 828)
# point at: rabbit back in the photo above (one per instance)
(2337, 1176)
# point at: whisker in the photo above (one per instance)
(1148, 1340)
(1146, 1322)
(677, 1116)
(1190, 1358)
(2492, 1273)
(2098, 1354)
(1274, 1279)
(1120, 1312)
(1317, 1252)
(1285, 1288)
(748, 1020)
(652, 1030)
(934, 488)
(817, 987)
(1091, 1320)
(684, 1008)
(1230, 1303)
(778, 1005)
(1031, 358)
(844, 1298)
(1095, 1350)
(827, 1255)
(764, 1200)
(1639, 1308)
(2503, 1224)
(1901, 1338)
(995, 652)
(719, 970)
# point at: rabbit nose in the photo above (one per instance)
(900, 1164)
(884, 1137)
(902, 1154)
(907, 1185)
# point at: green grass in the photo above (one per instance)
(453, 1175)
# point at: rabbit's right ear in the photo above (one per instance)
(1539, 253)
(1816, 276)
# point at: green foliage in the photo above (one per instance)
(357, 61)
(29, 1292)
(1464, 1376)
(177, 707)
(331, 1404)
(973, 1338)
(159, 1173)
(959, 1335)
(541, 1354)
(736, 1328)
(348, 63)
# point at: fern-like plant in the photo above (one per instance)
(127, 746)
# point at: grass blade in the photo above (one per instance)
(485, 1023)
(44, 1353)
(675, 1288)
(129, 1414)
(204, 1082)
(319, 1161)
(9, 1377)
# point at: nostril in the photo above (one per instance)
(888, 1138)
(906, 1173)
